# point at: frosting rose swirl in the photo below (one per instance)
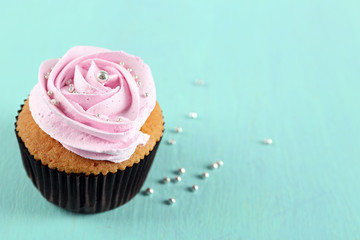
(94, 102)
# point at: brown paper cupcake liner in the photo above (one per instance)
(86, 193)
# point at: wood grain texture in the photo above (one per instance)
(279, 69)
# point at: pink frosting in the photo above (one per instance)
(94, 118)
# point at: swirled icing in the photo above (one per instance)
(93, 118)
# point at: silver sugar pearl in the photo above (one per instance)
(268, 141)
(205, 175)
(130, 69)
(177, 179)
(47, 75)
(166, 180)
(181, 170)
(199, 82)
(139, 83)
(178, 129)
(220, 163)
(136, 76)
(149, 191)
(54, 102)
(68, 82)
(71, 89)
(171, 141)
(97, 115)
(172, 200)
(122, 63)
(195, 187)
(102, 75)
(193, 115)
(49, 93)
(214, 165)
(146, 94)
(119, 119)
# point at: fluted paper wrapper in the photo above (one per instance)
(86, 193)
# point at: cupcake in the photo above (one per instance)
(90, 128)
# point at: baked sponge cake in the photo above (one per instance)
(90, 129)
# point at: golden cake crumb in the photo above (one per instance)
(50, 152)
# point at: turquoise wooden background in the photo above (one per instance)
(288, 70)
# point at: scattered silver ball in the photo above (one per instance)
(119, 119)
(172, 200)
(139, 83)
(149, 191)
(214, 165)
(193, 115)
(199, 82)
(136, 76)
(68, 82)
(268, 141)
(205, 175)
(178, 129)
(122, 63)
(181, 170)
(47, 75)
(177, 179)
(166, 180)
(49, 93)
(130, 69)
(146, 94)
(97, 115)
(195, 187)
(171, 141)
(102, 75)
(220, 163)
(71, 89)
